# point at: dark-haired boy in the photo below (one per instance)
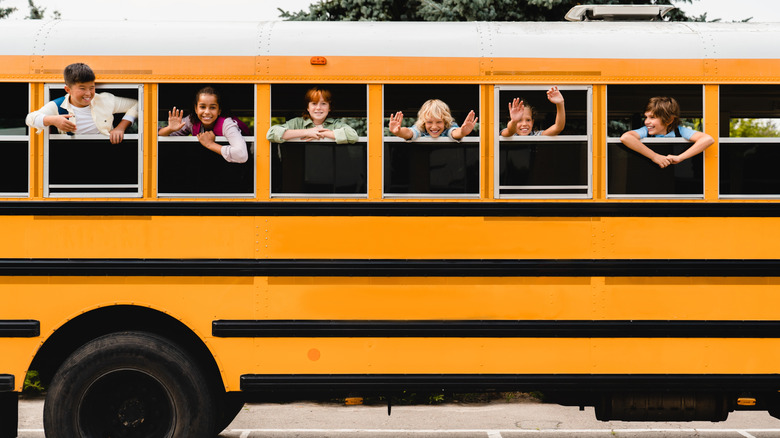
(82, 111)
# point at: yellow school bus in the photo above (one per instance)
(156, 287)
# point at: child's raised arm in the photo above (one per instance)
(466, 128)
(555, 96)
(395, 126)
(175, 123)
(516, 110)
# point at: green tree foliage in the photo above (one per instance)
(455, 10)
(37, 12)
(5, 12)
(752, 128)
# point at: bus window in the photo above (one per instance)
(89, 165)
(749, 146)
(187, 169)
(429, 166)
(544, 166)
(320, 168)
(630, 174)
(15, 165)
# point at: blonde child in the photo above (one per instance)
(207, 122)
(82, 110)
(314, 124)
(433, 120)
(662, 119)
(521, 117)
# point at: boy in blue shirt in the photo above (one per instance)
(82, 111)
(662, 119)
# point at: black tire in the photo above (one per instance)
(129, 385)
(228, 407)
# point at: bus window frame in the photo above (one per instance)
(138, 138)
(251, 144)
(740, 140)
(467, 139)
(20, 138)
(649, 141)
(538, 138)
(364, 140)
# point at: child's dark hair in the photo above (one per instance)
(207, 90)
(78, 73)
(314, 95)
(665, 108)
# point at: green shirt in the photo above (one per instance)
(343, 132)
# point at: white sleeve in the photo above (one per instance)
(235, 151)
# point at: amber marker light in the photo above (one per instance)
(318, 60)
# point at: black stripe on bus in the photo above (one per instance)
(7, 382)
(379, 383)
(395, 268)
(493, 329)
(391, 208)
(19, 328)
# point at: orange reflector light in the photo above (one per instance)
(746, 401)
(351, 401)
(318, 60)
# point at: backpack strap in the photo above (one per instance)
(59, 101)
(677, 131)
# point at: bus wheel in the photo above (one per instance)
(129, 384)
(228, 407)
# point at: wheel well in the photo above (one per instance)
(99, 322)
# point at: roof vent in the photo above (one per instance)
(618, 12)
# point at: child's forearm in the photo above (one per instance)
(165, 131)
(702, 142)
(123, 125)
(510, 129)
(404, 133)
(636, 144)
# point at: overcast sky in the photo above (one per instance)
(262, 10)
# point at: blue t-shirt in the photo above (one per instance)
(685, 133)
(447, 132)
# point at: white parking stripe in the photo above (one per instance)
(494, 434)
(745, 434)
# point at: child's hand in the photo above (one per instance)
(674, 159)
(174, 119)
(116, 135)
(207, 138)
(661, 160)
(63, 124)
(395, 123)
(468, 124)
(313, 134)
(516, 110)
(554, 96)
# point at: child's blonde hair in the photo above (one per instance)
(436, 109)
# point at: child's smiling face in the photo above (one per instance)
(318, 111)
(81, 93)
(207, 109)
(526, 123)
(434, 126)
(654, 125)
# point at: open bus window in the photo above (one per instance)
(431, 166)
(630, 174)
(544, 166)
(320, 168)
(187, 168)
(14, 141)
(749, 144)
(89, 165)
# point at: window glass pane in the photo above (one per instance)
(14, 166)
(749, 111)
(543, 167)
(626, 105)
(130, 93)
(749, 168)
(431, 167)
(184, 166)
(544, 111)
(435, 166)
(318, 167)
(630, 173)
(12, 116)
(75, 163)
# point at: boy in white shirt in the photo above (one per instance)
(82, 111)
